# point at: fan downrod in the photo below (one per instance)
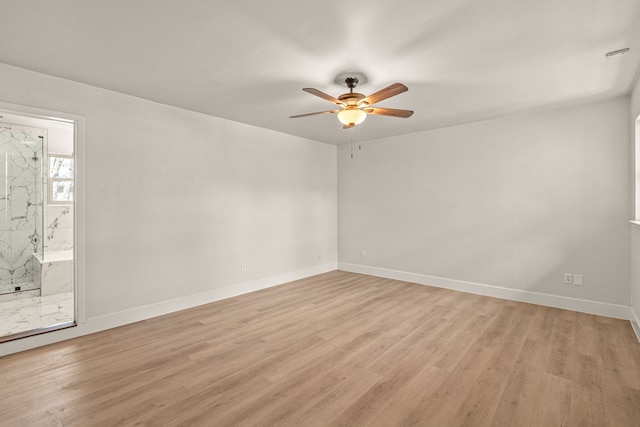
(351, 83)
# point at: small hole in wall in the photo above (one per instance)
(17, 288)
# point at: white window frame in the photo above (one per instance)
(51, 180)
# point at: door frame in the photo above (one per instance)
(78, 122)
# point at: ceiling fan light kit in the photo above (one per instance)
(352, 116)
(355, 106)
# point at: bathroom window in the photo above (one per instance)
(60, 179)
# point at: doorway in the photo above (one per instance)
(37, 286)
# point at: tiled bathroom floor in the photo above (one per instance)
(25, 314)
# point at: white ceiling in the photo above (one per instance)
(247, 60)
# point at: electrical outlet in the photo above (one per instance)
(568, 278)
(577, 280)
(243, 267)
(363, 253)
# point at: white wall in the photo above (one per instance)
(513, 202)
(175, 201)
(60, 139)
(635, 229)
(58, 219)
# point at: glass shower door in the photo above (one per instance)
(21, 217)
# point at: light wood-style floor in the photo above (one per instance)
(338, 349)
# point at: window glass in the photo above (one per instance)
(60, 179)
(61, 167)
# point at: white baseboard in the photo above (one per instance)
(556, 301)
(137, 314)
(635, 322)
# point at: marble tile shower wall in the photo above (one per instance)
(59, 232)
(21, 149)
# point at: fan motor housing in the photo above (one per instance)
(351, 98)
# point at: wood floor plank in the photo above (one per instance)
(337, 349)
(556, 411)
(517, 404)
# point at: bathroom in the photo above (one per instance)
(36, 225)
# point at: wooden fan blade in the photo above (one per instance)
(315, 114)
(349, 126)
(323, 95)
(389, 112)
(387, 92)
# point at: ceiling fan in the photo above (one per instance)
(355, 106)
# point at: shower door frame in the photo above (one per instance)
(79, 288)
